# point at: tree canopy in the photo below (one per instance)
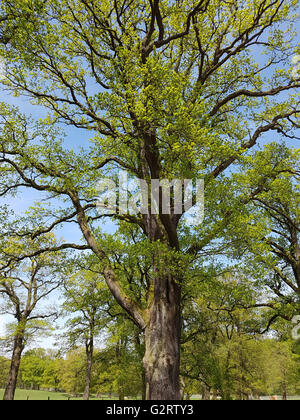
(163, 90)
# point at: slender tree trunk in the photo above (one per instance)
(162, 342)
(144, 393)
(284, 387)
(89, 362)
(121, 393)
(226, 385)
(14, 368)
(120, 347)
(141, 350)
(284, 393)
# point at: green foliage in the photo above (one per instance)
(72, 372)
(232, 364)
(86, 302)
(32, 368)
(4, 370)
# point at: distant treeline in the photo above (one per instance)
(239, 368)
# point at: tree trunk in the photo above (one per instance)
(144, 393)
(14, 368)
(141, 351)
(205, 393)
(284, 387)
(162, 342)
(89, 362)
(121, 393)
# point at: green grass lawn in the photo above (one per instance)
(23, 394)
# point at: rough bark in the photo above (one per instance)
(162, 340)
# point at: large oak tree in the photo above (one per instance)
(166, 90)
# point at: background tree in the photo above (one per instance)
(120, 369)
(215, 328)
(51, 374)
(234, 361)
(4, 371)
(32, 368)
(266, 235)
(86, 302)
(72, 372)
(22, 288)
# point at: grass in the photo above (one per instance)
(24, 394)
